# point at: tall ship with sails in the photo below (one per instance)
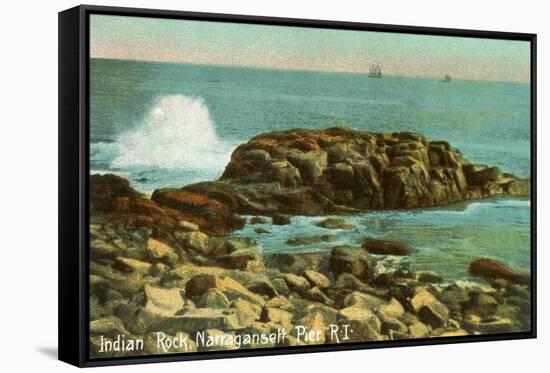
(446, 78)
(375, 71)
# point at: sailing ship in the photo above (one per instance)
(446, 78)
(375, 71)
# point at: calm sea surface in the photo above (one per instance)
(168, 125)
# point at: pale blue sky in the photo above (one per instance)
(216, 43)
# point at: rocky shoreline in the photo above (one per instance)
(166, 265)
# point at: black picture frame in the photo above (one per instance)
(74, 175)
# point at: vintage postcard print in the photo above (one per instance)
(265, 186)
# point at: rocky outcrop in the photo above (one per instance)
(183, 286)
(339, 170)
(166, 212)
(309, 172)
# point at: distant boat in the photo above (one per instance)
(447, 78)
(375, 71)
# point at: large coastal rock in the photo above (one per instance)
(167, 211)
(339, 170)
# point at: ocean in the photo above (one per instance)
(168, 125)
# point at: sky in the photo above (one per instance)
(298, 48)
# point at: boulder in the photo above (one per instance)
(197, 320)
(317, 279)
(428, 308)
(160, 250)
(418, 330)
(213, 298)
(430, 277)
(200, 284)
(356, 313)
(490, 269)
(482, 304)
(381, 247)
(278, 318)
(280, 219)
(315, 294)
(392, 309)
(363, 300)
(247, 312)
(197, 241)
(349, 259)
(296, 283)
(280, 302)
(161, 301)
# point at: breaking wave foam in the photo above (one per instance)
(176, 133)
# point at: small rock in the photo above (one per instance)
(213, 298)
(111, 325)
(454, 333)
(363, 300)
(277, 317)
(258, 220)
(187, 226)
(198, 319)
(135, 265)
(159, 250)
(393, 309)
(315, 294)
(308, 240)
(247, 312)
(317, 279)
(418, 330)
(280, 285)
(102, 249)
(281, 219)
(280, 302)
(360, 314)
(334, 223)
(233, 244)
(163, 301)
(429, 309)
(197, 241)
(199, 284)
(260, 230)
(430, 277)
(482, 304)
(296, 283)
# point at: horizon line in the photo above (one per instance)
(304, 70)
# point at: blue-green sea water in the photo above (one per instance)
(168, 125)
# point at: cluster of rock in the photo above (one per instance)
(189, 282)
(339, 170)
(310, 172)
